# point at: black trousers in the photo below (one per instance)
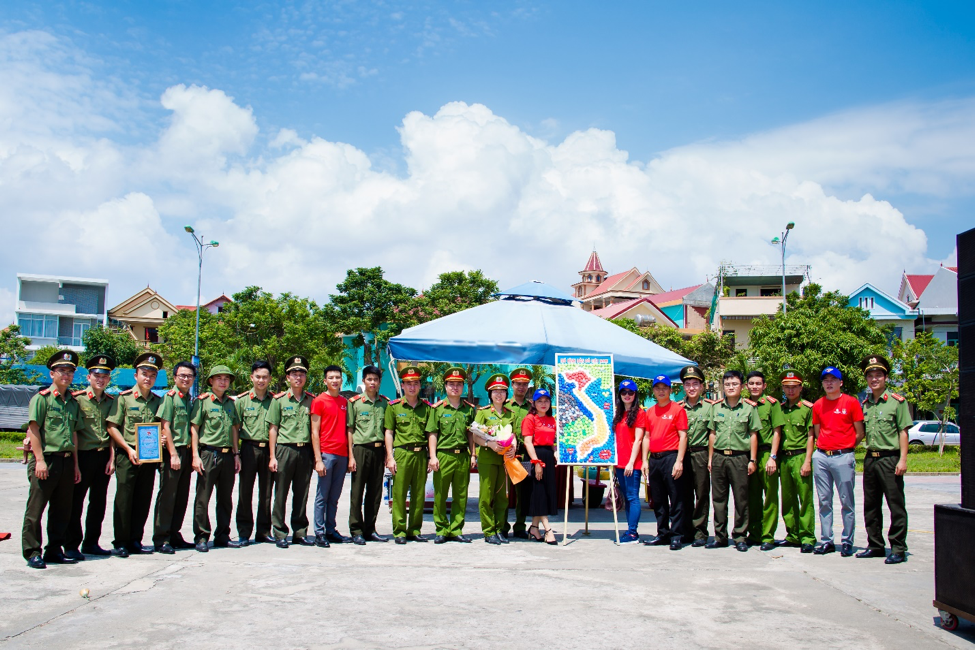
(56, 490)
(667, 494)
(254, 461)
(879, 483)
(133, 496)
(94, 485)
(173, 497)
(295, 466)
(366, 494)
(697, 491)
(729, 475)
(218, 472)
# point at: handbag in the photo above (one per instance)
(619, 497)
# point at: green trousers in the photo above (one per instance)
(366, 491)
(410, 477)
(454, 476)
(134, 485)
(798, 510)
(294, 475)
(729, 474)
(698, 486)
(492, 497)
(879, 483)
(763, 502)
(254, 468)
(173, 497)
(219, 473)
(57, 490)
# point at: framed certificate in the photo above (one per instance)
(148, 442)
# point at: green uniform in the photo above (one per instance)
(174, 484)
(215, 419)
(57, 418)
(255, 454)
(763, 488)
(797, 490)
(366, 419)
(454, 455)
(94, 453)
(883, 420)
(522, 491)
(133, 483)
(732, 428)
(409, 427)
(292, 450)
(493, 493)
(698, 481)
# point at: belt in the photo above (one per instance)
(59, 454)
(455, 450)
(369, 445)
(217, 450)
(413, 449)
(256, 443)
(662, 454)
(789, 453)
(836, 452)
(765, 447)
(731, 452)
(699, 448)
(295, 444)
(883, 453)
(95, 449)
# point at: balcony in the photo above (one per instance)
(72, 341)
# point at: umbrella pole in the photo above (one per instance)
(585, 479)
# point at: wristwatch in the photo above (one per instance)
(774, 456)
(752, 460)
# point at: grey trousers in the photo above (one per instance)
(328, 492)
(839, 471)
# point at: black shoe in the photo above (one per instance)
(400, 540)
(872, 552)
(807, 548)
(96, 551)
(785, 543)
(120, 552)
(656, 541)
(227, 544)
(895, 558)
(74, 554)
(440, 539)
(768, 546)
(244, 541)
(358, 540)
(741, 547)
(675, 543)
(35, 562)
(281, 543)
(321, 541)
(165, 549)
(416, 538)
(502, 538)
(698, 543)
(716, 544)
(503, 535)
(751, 543)
(376, 537)
(57, 557)
(201, 547)
(136, 548)
(846, 550)
(521, 534)
(264, 539)
(302, 541)
(338, 538)
(493, 539)
(824, 548)
(463, 539)
(182, 545)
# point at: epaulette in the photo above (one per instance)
(807, 403)
(127, 392)
(771, 399)
(281, 394)
(470, 404)
(355, 398)
(79, 392)
(46, 391)
(484, 408)
(749, 402)
(171, 393)
(385, 398)
(108, 396)
(437, 404)
(899, 398)
(395, 401)
(680, 403)
(310, 394)
(427, 402)
(246, 392)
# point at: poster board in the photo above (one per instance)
(148, 442)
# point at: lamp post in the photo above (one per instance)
(780, 241)
(200, 247)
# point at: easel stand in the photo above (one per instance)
(612, 492)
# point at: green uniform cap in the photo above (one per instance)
(496, 381)
(691, 372)
(455, 373)
(101, 362)
(875, 362)
(521, 374)
(63, 358)
(149, 360)
(220, 370)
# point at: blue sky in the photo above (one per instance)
(742, 83)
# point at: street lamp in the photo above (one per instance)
(780, 241)
(200, 247)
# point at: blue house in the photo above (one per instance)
(886, 310)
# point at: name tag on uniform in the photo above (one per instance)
(402, 415)
(135, 408)
(447, 415)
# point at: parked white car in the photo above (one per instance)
(925, 432)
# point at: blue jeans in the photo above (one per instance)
(328, 492)
(630, 487)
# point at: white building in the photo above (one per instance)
(57, 311)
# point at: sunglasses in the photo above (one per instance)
(627, 391)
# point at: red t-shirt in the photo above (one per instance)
(835, 419)
(333, 411)
(663, 424)
(540, 428)
(624, 440)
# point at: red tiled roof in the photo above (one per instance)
(670, 296)
(614, 310)
(593, 264)
(918, 283)
(185, 307)
(608, 283)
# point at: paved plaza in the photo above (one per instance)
(589, 593)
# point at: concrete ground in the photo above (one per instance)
(588, 593)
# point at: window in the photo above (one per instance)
(777, 291)
(866, 303)
(646, 285)
(38, 326)
(598, 279)
(951, 338)
(931, 427)
(152, 336)
(741, 293)
(950, 428)
(165, 314)
(899, 333)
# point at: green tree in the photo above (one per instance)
(104, 340)
(217, 341)
(13, 350)
(711, 352)
(43, 353)
(818, 330)
(927, 374)
(455, 291)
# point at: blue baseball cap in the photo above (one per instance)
(628, 384)
(541, 392)
(830, 370)
(661, 379)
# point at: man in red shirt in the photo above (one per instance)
(838, 428)
(331, 441)
(664, 445)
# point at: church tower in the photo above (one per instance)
(590, 277)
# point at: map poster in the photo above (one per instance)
(584, 406)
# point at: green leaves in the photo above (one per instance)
(118, 343)
(926, 373)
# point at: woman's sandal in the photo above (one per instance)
(554, 541)
(537, 538)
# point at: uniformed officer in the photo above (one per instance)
(520, 405)
(291, 456)
(408, 447)
(886, 419)
(134, 482)
(733, 453)
(450, 423)
(493, 491)
(367, 413)
(763, 485)
(216, 458)
(176, 468)
(793, 448)
(255, 455)
(53, 471)
(96, 460)
(698, 479)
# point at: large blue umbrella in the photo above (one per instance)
(529, 325)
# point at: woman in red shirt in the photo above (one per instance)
(538, 429)
(629, 425)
